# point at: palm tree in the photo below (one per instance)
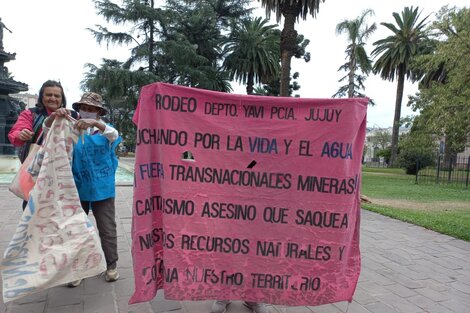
(357, 58)
(292, 10)
(395, 55)
(252, 53)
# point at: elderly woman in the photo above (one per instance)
(28, 127)
(94, 168)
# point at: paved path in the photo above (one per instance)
(405, 269)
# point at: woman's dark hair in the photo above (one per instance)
(50, 83)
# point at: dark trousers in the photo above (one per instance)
(104, 213)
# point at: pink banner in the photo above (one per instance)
(246, 197)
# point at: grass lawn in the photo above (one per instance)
(438, 207)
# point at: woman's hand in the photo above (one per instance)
(25, 135)
(60, 113)
(85, 123)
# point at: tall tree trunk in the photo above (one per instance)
(351, 84)
(352, 71)
(151, 43)
(249, 83)
(396, 118)
(288, 39)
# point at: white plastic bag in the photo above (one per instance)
(55, 242)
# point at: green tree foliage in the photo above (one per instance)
(141, 18)
(120, 89)
(252, 51)
(358, 64)
(178, 43)
(202, 27)
(292, 11)
(272, 86)
(119, 82)
(417, 150)
(381, 139)
(444, 93)
(395, 54)
(386, 154)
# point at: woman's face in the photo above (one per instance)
(52, 98)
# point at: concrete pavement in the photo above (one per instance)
(406, 269)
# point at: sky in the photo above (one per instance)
(51, 41)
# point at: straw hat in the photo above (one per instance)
(91, 99)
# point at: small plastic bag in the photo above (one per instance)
(24, 182)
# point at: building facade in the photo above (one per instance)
(26, 100)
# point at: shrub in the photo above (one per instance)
(416, 153)
(412, 160)
(386, 154)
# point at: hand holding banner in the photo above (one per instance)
(55, 242)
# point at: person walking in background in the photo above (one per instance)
(28, 127)
(94, 167)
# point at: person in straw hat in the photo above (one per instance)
(94, 167)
